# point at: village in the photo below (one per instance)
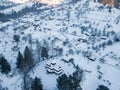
(61, 39)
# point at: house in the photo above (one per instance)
(52, 67)
(82, 40)
(103, 37)
(92, 58)
(67, 60)
(100, 72)
(87, 33)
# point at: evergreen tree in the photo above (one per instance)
(16, 38)
(28, 57)
(102, 87)
(76, 78)
(78, 74)
(116, 38)
(62, 82)
(70, 83)
(5, 66)
(20, 62)
(26, 62)
(109, 42)
(38, 50)
(27, 82)
(61, 51)
(37, 85)
(44, 53)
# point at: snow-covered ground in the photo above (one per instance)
(62, 23)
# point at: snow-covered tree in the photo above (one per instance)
(102, 87)
(5, 66)
(28, 57)
(72, 82)
(37, 84)
(20, 62)
(44, 53)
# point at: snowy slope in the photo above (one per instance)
(66, 23)
(4, 4)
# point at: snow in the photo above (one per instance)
(16, 8)
(54, 23)
(50, 2)
(41, 71)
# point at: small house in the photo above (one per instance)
(52, 67)
(92, 58)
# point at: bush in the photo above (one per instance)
(4, 66)
(102, 87)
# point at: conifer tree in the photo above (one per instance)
(20, 62)
(5, 66)
(62, 82)
(28, 57)
(16, 38)
(102, 87)
(38, 50)
(44, 53)
(26, 62)
(37, 85)
(70, 83)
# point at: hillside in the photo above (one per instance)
(58, 40)
(110, 2)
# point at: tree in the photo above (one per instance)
(102, 87)
(37, 85)
(77, 78)
(74, 1)
(26, 62)
(27, 82)
(38, 50)
(20, 62)
(70, 83)
(62, 82)
(5, 66)
(117, 38)
(61, 51)
(16, 38)
(78, 74)
(28, 57)
(109, 42)
(44, 53)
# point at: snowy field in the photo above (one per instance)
(80, 30)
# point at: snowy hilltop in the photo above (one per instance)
(74, 45)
